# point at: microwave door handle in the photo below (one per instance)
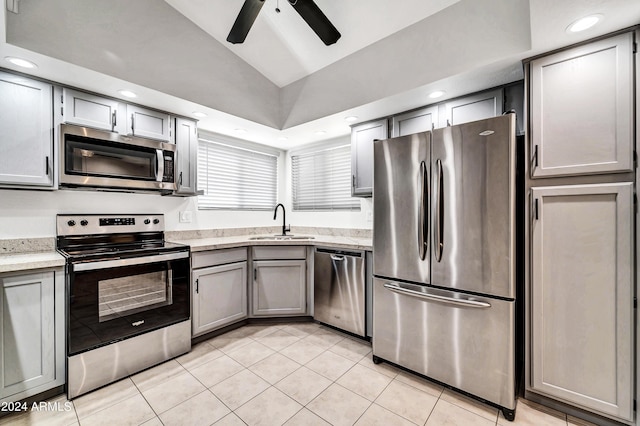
(159, 165)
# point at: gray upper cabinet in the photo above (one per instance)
(471, 108)
(187, 161)
(414, 121)
(32, 331)
(148, 123)
(581, 117)
(362, 137)
(93, 111)
(582, 334)
(26, 125)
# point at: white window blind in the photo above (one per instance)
(321, 180)
(235, 178)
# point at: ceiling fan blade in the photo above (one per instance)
(244, 21)
(319, 23)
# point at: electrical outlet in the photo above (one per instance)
(186, 217)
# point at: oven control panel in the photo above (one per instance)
(91, 224)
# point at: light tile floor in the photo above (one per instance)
(292, 374)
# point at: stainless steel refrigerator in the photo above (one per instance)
(444, 256)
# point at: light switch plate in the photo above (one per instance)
(186, 217)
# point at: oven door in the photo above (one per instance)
(114, 299)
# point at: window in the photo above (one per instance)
(235, 177)
(321, 179)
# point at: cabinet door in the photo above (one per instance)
(187, 161)
(26, 126)
(362, 137)
(412, 122)
(28, 332)
(148, 123)
(89, 110)
(581, 296)
(472, 108)
(279, 287)
(582, 109)
(219, 296)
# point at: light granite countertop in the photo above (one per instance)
(40, 253)
(214, 243)
(15, 262)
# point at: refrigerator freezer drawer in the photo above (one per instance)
(462, 340)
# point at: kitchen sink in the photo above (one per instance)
(282, 237)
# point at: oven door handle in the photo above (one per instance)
(117, 263)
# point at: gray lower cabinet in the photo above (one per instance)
(32, 324)
(187, 157)
(581, 309)
(26, 126)
(362, 137)
(87, 110)
(279, 281)
(581, 116)
(219, 289)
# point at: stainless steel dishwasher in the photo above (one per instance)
(339, 289)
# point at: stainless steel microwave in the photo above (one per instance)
(100, 159)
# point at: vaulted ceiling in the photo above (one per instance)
(283, 81)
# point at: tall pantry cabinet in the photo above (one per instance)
(580, 318)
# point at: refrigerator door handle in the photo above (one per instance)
(423, 226)
(438, 234)
(435, 298)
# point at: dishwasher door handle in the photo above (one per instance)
(337, 257)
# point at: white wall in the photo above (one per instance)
(32, 214)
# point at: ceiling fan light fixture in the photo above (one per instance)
(583, 24)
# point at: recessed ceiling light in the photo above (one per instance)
(20, 62)
(320, 133)
(199, 114)
(584, 23)
(127, 93)
(437, 94)
(351, 118)
(283, 138)
(240, 131)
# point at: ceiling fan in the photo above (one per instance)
(307, 9)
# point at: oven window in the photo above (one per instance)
(109, 160)
(108, 305)
(129, 295)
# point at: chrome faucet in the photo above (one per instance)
(285, 228)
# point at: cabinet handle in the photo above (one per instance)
(255, 274)
(46, 170)
(132, 125)
(180, 179)
(114, 120)
(535, 156)
(353, 181)
(535, 209)
(197, 286)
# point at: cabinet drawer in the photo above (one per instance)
(218, 257)
(279, 252)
